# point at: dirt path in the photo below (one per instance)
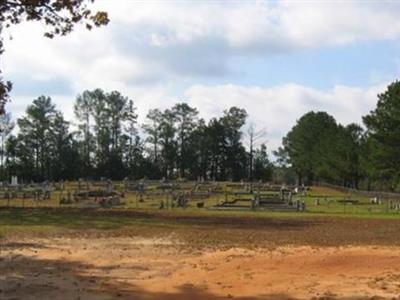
(143, 268)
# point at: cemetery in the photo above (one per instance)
(179, 239)
(199, 150)
(63, 242)
(195, 195)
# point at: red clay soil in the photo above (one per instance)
(173, 256)
(154, 268)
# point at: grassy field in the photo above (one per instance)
(203, 228)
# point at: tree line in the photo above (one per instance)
(367, 156)
(107, 141)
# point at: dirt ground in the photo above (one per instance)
(168, 268)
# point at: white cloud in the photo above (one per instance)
(153, 50)
(155, 40)
(278, 108)
(244, 24)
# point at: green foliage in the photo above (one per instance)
(59, 15)
(176, 143)
(110, 146)
(185, 118)
(308, 145)
(44, 147)
(263, 168)
(383, 126)
(107, 142)
(235, 153)
(63, 153)
(317, 148)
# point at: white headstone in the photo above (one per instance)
(14, 180)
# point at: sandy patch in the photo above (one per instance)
(164, 268)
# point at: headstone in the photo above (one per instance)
(14, 181)
(46, 190)
(109, 188)
(283, 188)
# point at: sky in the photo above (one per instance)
(276, 59)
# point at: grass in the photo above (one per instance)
(53, 220)
(48, 216)
(63, 219)
(202, 228)
(328, 206)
